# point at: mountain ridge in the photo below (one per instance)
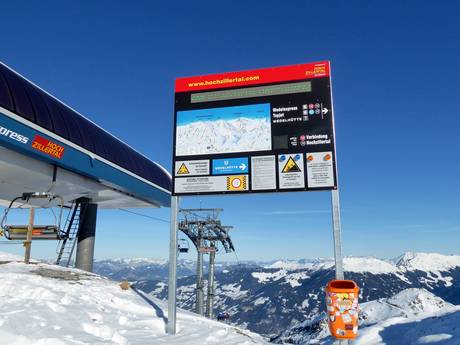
(271, 298)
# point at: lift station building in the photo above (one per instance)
(46, 146)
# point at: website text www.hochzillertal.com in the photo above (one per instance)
(224, 81)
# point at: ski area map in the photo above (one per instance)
(266, 130)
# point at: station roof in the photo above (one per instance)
(35, 105)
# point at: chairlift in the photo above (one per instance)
(183, 246)
(39, 232)
(223, 316)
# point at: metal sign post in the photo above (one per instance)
(336, 225)
(172, 281)
(337, 234)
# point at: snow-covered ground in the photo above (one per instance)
(413, 316)
(41, 304)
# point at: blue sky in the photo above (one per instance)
(395, 71)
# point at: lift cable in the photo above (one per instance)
(2, 242)
(145, 215)
(237, 259)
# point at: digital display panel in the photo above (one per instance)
(251, 92)
(267, 130)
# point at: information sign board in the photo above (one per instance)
(265, 130)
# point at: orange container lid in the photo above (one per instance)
(339, 285)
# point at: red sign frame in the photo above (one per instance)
(253, 77)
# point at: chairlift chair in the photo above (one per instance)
(183, 246)
(39, 232)
(223, 316)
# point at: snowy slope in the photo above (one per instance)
(41, 304)
(407, 303)
(412, 316)
(440, 328)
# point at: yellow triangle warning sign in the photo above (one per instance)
(291, 166)
(183, 170)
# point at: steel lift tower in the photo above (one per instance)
(204, 228)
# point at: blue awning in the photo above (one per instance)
(37, 107)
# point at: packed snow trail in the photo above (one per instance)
(41, 304)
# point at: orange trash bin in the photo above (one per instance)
(342, 308)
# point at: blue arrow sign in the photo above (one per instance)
(230, 166)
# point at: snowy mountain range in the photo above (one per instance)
(140, 268)
(223, 136)
(276, 299)
(151, 269)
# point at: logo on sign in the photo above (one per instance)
(46, 146)
(13, 135)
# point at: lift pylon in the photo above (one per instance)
(205, 230)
